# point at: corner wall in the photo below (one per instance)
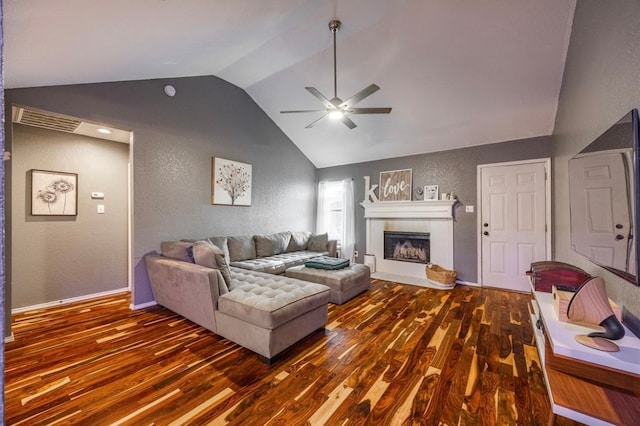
(174, 141)
(601, 83)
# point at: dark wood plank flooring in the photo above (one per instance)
(396, 355)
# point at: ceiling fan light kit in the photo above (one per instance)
(336, 108)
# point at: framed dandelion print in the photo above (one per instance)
(230, 182)
(54, 193)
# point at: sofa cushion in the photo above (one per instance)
(221, 242)
(241, 247)
(180, 250)
(278, 263)
(207, 254)
(270, 244)
(269, 301)
(298, 241)
(318, 242)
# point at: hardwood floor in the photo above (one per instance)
(398, 354)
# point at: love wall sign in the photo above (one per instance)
(395, 185)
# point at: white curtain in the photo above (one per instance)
(329, 192)
(323, 215)
(348, 224)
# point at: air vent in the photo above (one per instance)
(45, 120)
(61, 123)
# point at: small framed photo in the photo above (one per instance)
(54, 193)
(431, 192)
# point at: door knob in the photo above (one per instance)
(485, 233)
(619, 237)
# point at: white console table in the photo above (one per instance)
(584, 384)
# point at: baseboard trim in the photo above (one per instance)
(142, 305)
(9, 339)
(67, 301)
(468, 283)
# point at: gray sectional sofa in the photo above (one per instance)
(233, 287)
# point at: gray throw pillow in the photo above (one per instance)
(318, 242)
(221, 242)
(270, 244)
(241, 248)
(211, 256)
(180, 250)
(298, 241)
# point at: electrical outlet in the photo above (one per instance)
(355, 253)
(468, 209)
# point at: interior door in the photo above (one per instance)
(600, 212)
(513, 223)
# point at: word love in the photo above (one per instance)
(393, 189)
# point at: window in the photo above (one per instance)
(336, 214)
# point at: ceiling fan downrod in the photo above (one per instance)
(334, 26)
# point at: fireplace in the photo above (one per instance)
(407, 246)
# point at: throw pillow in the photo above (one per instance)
(241, 248)
(180, 250)
(221, 242)
(299, 241)
(270, 244)
(318, 242)
(207, 254)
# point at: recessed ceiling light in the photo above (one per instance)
(103, 130)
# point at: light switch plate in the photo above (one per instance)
(100, 208)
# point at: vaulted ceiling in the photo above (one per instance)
(456, 73)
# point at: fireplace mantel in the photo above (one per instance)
(441, 209)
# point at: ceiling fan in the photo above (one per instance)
(336, 108)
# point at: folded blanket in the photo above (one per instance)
(327, 263)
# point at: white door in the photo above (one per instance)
(600, 211)
(513, 216)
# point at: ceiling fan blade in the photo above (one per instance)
(315, 92)
(302, 110)
(314, 122)
(369, 110)
(347, 122)
(360, 96)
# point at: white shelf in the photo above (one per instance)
(562, 340)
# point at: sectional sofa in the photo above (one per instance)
(233, 287)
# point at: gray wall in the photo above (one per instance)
(174, 141)
(454, 171)
(60, 257)
(601, 84)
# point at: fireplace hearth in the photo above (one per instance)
(411, 247)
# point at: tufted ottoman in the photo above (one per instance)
(344, 283)
(267, 313)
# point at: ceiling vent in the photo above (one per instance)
(61, 123)
(45, 120)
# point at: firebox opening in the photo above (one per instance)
(407, 246)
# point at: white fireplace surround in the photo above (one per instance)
(434, 217)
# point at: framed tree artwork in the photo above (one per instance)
(54, 193)
(230, 182)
